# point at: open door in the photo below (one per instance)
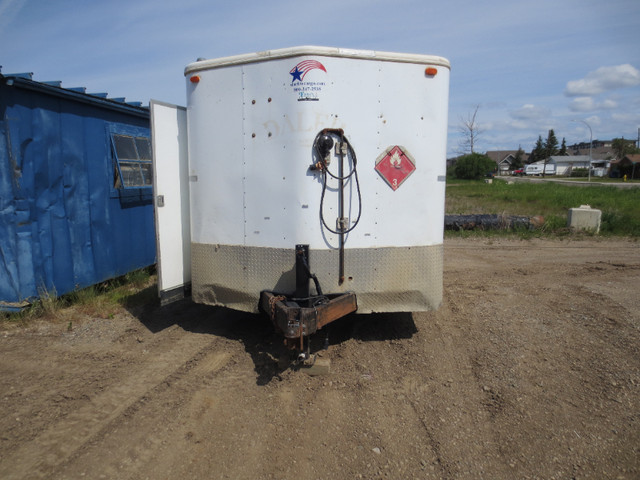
(171, 200)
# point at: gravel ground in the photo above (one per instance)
(530, 369)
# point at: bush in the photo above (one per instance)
(579, 172)
(474, 166)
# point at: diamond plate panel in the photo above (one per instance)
(394, 279)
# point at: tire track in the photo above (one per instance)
(156, 431)
(63, 439)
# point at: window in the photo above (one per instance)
(133, 167)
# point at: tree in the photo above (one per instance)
(518, 159)
(470, 131)
(538, 151)
(474, 166)
(563, 148)
(550, 148)
(622, 147)
(551, 144)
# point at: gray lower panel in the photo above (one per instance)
(394, 279)
(175, 294)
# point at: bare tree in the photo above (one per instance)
(470, 131)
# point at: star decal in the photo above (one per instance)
(296, 74)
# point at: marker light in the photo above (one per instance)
(431, 71)
(195, 79)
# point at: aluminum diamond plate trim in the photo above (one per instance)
(393, 279)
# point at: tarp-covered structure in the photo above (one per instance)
(75, 189)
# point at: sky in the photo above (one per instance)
(528, 66)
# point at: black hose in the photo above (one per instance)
(325, 170)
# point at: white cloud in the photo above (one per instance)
(594, 120)
(630, 118)
(520, 125)
(588, 104)
(582, 104)
(530, 112)
(604, 79)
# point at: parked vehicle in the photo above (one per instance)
(517, 172)
(537, 168)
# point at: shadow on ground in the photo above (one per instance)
(261, 341)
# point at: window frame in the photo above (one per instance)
(117, 180)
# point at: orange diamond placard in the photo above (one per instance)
(395, 165)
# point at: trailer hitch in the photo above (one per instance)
(300, 315)
(297, 322)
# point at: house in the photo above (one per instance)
(505, 160)
(600, 167)
(629, 166)
(75, 189)
(566, 163)
(580, 148)
(600, 149)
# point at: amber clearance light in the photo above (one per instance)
(195, 79)
(430, 71)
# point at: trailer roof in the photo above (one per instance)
(317, 51)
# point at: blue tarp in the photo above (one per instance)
(63, 224)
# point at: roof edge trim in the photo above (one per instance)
(108, 103)
(317, 51)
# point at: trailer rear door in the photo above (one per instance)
(171, 200)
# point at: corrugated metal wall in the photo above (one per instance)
(63, 225)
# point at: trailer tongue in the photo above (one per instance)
(300, 315)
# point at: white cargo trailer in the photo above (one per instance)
(304, 163)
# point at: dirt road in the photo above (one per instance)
(531, 369)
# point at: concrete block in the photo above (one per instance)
(584, 218)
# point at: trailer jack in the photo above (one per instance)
(300, 315)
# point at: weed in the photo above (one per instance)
(138, 278)
(620, 212)
(102, 300)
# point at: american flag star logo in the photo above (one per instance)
(301, 69)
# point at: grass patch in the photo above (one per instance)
(620, 207)
(102, 300)
(599, 179)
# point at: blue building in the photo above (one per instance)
(75, 189)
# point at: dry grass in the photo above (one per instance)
(103, 300)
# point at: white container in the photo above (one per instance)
(252, 121)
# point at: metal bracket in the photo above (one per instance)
(295, 321)
(301, 315)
